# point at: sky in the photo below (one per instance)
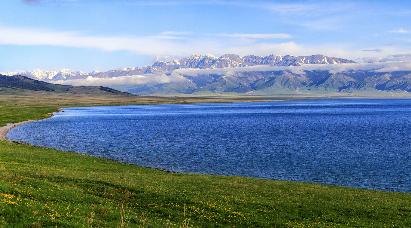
(107, 34)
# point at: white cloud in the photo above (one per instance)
(372, 50)
(166, 43)
(172, 43)
(293, 8)
(257, 35)
(401, 31)
(36, 37)
(172, 35)
(118, 81)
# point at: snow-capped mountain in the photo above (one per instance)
(192, 62)
(266, 75)
(232, 60)
(45, 75)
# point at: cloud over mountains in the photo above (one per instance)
(230, 73)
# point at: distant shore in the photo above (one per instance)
(4, 130)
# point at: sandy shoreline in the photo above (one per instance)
(5, 129)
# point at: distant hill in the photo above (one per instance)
(272, 81)
(11, 83)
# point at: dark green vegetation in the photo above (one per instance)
(45, 187)
(8, 84)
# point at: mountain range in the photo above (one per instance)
(265, 75)
(194, 61)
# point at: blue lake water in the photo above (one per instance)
(349, 142)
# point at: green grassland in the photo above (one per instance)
(43, 187)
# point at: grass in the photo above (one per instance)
(44, 187)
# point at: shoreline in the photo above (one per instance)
(6, 129)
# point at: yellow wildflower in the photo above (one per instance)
(7, 198)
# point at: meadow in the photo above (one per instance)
(43, 187)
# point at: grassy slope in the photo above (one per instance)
(44, 187)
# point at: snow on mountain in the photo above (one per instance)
(192, 62)
(232, 60)
(45, 75)
(265, 75)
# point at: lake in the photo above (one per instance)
(363, 143)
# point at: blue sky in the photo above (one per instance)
(104, 34)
